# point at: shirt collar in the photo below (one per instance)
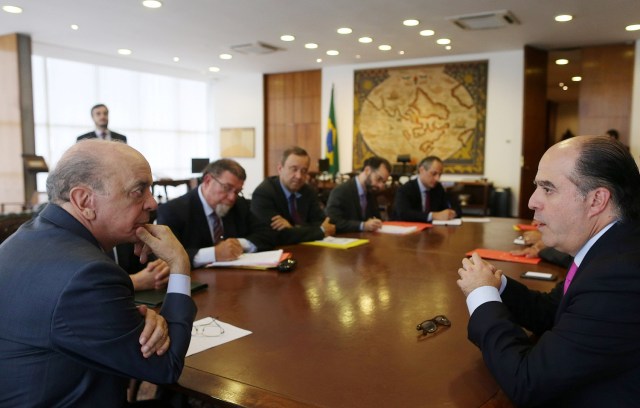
(361, 190)
(207, 208)
(586, 247)
(421, 186)
(288, 193)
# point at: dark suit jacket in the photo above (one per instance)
(185, 216)
(343, 207)
(408, 202)
(69, 329)
(588, 353)
(114, 136)
(269, 200)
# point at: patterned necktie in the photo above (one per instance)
(218, 229)
(570, 275)
(293, 210)
(427, 201)
(363, 204)
(103, 135)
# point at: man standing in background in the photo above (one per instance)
(100, 116)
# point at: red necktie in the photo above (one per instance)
(427, 202)
(570, 275)
(293, 209)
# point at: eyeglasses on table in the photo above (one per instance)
(431, 325)
(207, 327)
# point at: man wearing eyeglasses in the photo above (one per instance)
(289, 204)
(213, 221)
(587, 204)
(353, 206)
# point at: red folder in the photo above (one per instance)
(419, 225)
(503, 256)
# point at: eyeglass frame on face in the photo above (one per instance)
(432, 325)
(227, 188)
(208, 323)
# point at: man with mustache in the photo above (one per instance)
(213, 221)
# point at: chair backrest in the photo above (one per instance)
(10, 223)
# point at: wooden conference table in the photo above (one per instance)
(340, 331)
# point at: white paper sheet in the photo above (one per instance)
(201, 343)
(261, 259)
(397, 229)
(476, 219)
(455, 221)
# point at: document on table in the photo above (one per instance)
(201, 343)
(335, 242)
(256, 260)
(455, 221)
(405, 226)
(476, 219)
(397, 229)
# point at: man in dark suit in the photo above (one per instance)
(424, 199)
(70, 333)
(587, 204)
(353, 206)
(213, 221)
(100, 116)
(289, 204)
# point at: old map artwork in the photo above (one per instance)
(422, 110)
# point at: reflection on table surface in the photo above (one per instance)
(340, 331)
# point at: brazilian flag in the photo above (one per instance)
(332, 140)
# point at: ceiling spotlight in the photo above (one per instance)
(152, 4)
(561, 84)
(384, 47)
(564, 88)
(344, 30)
(319, 60)
(124, 51)
(563, 18)
(427, 33)
(576, 78)
(74, 27)
(411, 22)
(311, 46)
(447, 47)
(12, 9)
(333, 52)
(632, 27)
(562, 61)
(443, 41)
(287, 37)
(225, 56)
(176, 59)
(214, 69)
(401, 52)
(365, 40)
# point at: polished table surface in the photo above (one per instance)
(340, 331)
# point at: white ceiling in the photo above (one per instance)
(198, 31)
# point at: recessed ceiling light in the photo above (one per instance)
(333, 52)
(564, 88)
(319, 60)
(427, 33)
(561, 84)
(576, 78)
(152, 3)
(447, 47)
(411, 22)
(287, 37)
(632, 27)
(124, 51)
(384, 47)
(401, 52)
(365, 40)
(74, 27)
(443, 41)
(563, 18)
(311, 46)
(12, 9)
(225, 56)
(176, 59)
(562, 61)
(214, 69)
(344, 30)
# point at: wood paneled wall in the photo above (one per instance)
(606, 90)
(292, 116)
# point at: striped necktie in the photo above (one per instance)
(218, 228)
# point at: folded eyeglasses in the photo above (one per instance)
(431, 325)
(207, 327)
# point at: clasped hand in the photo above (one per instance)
(476, 272)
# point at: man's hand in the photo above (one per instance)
(444, 215)
(165, 246)
(228, 250)
(154, 276)
(155, 335)
(372, 224)
(279, 223)
(328, 227)
(532, 237)
(475, 273)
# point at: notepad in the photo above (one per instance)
(256, 260)
(455, 221)
(335, 242)
(503, 256)
(154, 298)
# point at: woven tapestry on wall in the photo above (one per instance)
(421, 111)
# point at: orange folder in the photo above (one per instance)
(503, 256)
(525, 227)
(419, 225)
